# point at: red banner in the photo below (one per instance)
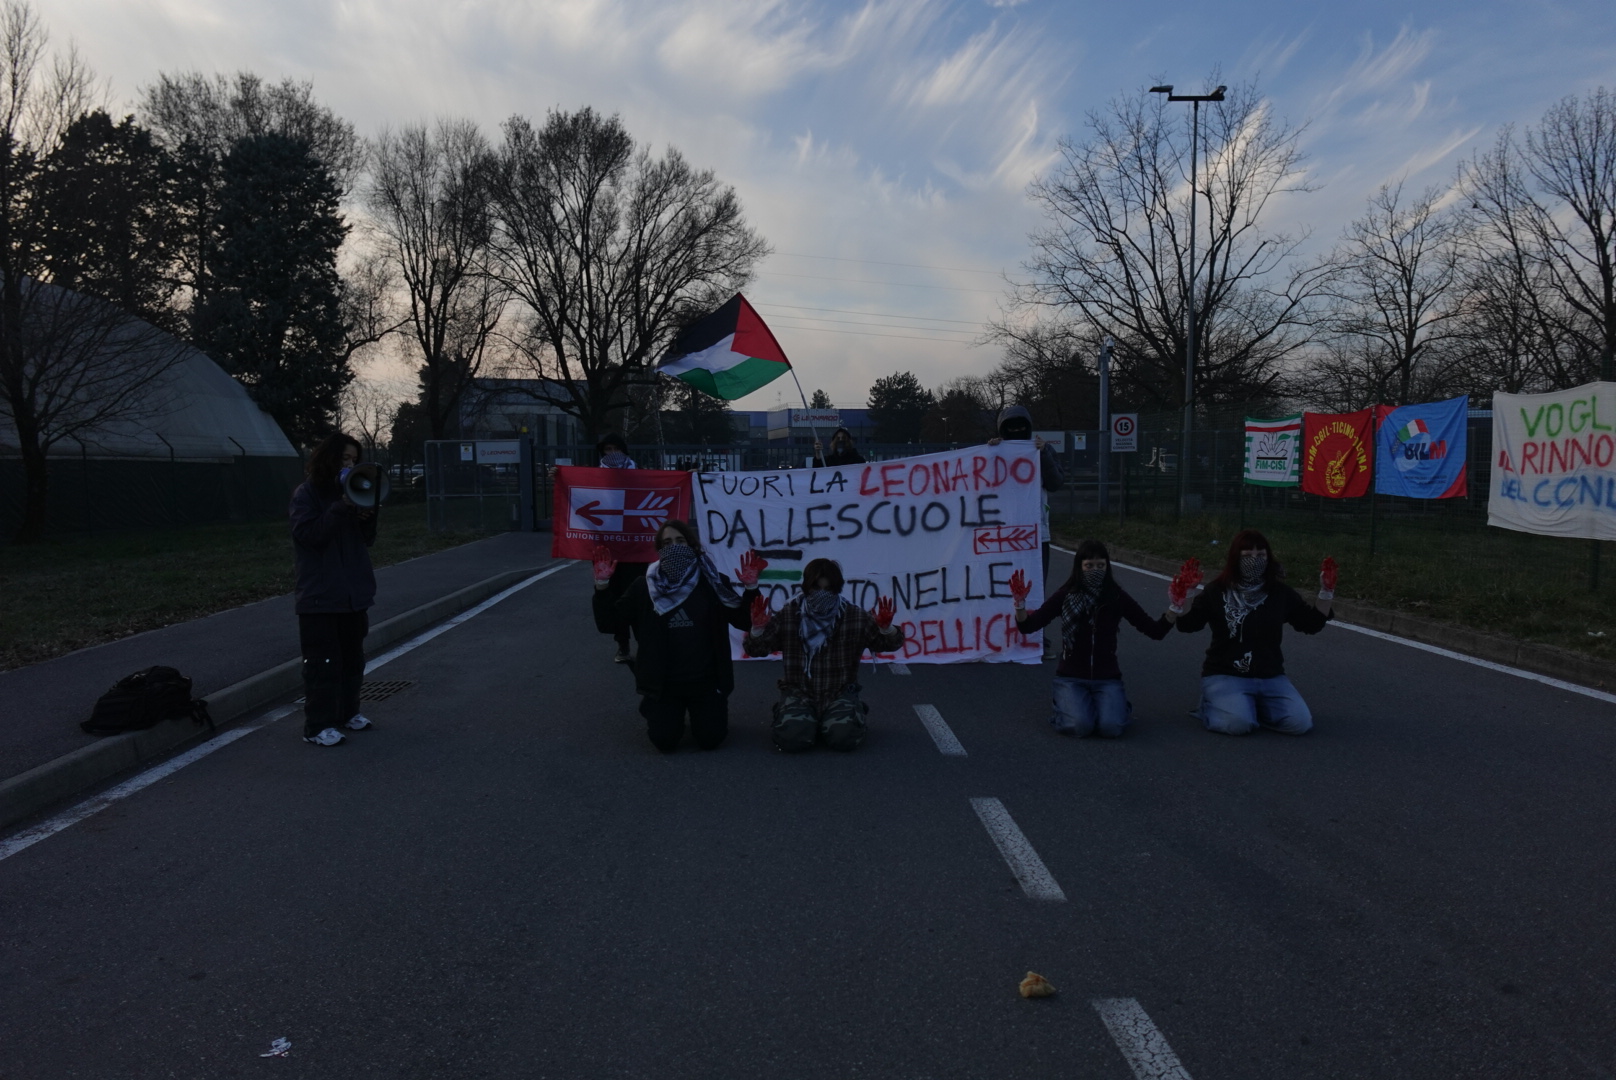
(1338, 453)
(621, 508)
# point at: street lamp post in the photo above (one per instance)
(1185, 450)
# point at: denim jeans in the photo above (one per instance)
(1237, 706)
(1090, 707)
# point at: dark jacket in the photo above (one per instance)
(331, 543)
(1255, 654)
(652, 665)
(1049, 470)
(1092, 651)
(836, 458)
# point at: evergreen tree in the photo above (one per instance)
(820, 400)
(273, 317)
(898, 405)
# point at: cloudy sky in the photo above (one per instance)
(883, 148)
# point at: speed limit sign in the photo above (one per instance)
(1125, 432)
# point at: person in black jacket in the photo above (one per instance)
(1089, 696)
(1015, 422)
(841, 451)
(1247, 607)
(680, 611)
(336, 587)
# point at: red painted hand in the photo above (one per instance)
(605, 564)
(760, 612)
(1327, 574)
(1183, 584)
(1020, 587)
(884, 610)
(1190, 573)
(752, 564)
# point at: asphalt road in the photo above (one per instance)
(507, 880)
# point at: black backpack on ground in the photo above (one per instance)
(146, 698)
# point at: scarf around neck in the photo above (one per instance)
(818, 614)
(1240, 600)
(672, 578)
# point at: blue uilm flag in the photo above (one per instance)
(1420, 449)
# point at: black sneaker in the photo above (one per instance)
(621, 657)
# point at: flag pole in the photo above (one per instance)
(807, 409)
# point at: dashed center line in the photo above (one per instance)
(898, 669)
(1035, 878)
(1142, 1046)
(940, 732)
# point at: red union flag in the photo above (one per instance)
(621, 508)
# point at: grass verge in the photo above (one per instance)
(66, 594)
(1532, 588)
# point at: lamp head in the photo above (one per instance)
(1217, 95)
(1162, 89)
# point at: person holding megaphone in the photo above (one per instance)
(336, 587)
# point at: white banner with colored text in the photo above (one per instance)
(940, 534)
(1554, 462)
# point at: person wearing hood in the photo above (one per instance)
(1247, 607)
(1015, 424)
(680, 611)
(612, 451)
(1089, 696)
(821, 637)
(841, 451)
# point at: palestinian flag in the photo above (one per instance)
(728, 354)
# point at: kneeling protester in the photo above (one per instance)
(680, 613)
(821, 637)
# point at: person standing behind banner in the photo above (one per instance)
(681, 610)
(821, 637)
(336, 588)
(1015, 424)
(1089, 696)
(841, 451)
(1243, 680)
(613, 452)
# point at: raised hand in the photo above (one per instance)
(760, 613)
(884, 610)
(605, 564)
(1327, 576)
(1182, 585)
(752, 564)
(1020, 587)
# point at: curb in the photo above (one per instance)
(1539, 659)
(27, 793)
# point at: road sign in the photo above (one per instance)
(1125, 432)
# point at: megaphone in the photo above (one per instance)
(365, 484)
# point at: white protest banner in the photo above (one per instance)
(1554, 462)
(940, 534)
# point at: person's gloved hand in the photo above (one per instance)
(760, 613)
(1020, 587)
(1182, 585)
(1327, 577)
(884, 610)
(605, 565)
(752, 564)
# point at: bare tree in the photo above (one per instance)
(1114, 256)
(428, 191)
(369, 408)
(610, 251)
(1395, 298)
(1547, 216)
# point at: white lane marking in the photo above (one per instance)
(1146, 1052)
(470, 613)
(29, 837)
(940, 732)
(1024, 862)
(898, 669)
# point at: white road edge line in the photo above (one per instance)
(1023, 861)
(898, 669)
(1503, 669)
(1146, 1052)
(940, 732)
(89, 807)
(470, 613)
(72, 816)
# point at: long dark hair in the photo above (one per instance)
(326, 461)
(1092, 549)
(1249, 538)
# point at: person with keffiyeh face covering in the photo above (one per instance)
(1247, 607)
(613, 453)
(1089, 696)
(821, 637)
(680, 612)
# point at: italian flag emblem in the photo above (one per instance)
(728, 354)
(1411, 429)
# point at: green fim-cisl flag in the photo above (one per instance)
(1273, 457)
(728, 354)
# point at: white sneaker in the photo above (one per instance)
(359, 722)
(329, 737)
